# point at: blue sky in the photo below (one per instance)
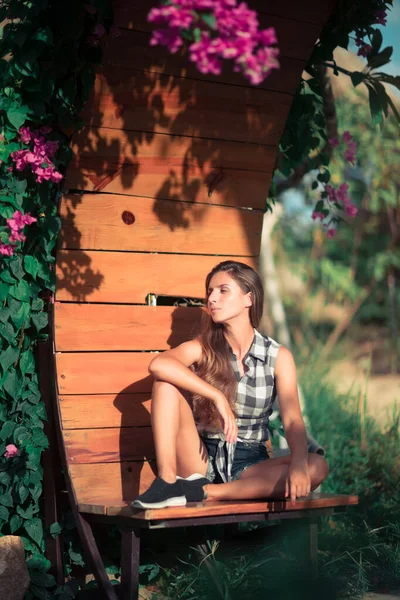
(391, 34)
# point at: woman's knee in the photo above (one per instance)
(318, 469)
(167, 389)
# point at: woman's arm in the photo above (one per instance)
(299, 483)
(173, 365)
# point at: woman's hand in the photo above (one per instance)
(298, 483)
(228, 418)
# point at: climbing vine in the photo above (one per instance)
(48, 53)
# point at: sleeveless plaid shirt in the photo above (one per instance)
(256, 393)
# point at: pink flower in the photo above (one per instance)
(15, 236)
(334, 142)
(318, 215)
(25, 135)
(6, 249)
(381, 17)
(92, 10)
(331, 192)
(350, 156)
(11, 451)
(99, 30)
(342, 192)
(19, 220)
(350, 210)
(347, 137)
(331, 233)
(364, 50)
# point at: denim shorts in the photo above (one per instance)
(246, 455)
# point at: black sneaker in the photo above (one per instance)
(161, 495)
(193, 487)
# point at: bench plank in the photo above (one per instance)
(103, 372)
(159, 104)
(210, 508)
(111, 444)
(105, 410)
(96, 222)
(124, 327)
(121, 277)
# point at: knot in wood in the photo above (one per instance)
(128, 217)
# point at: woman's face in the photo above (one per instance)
(226, 299)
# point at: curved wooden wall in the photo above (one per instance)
(171, 172)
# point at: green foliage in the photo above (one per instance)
(46, 73)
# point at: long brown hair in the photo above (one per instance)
(215, 366)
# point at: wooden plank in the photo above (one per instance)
(295, 40)
(130, 15)
(105, 410)
(161, 104)
(123, 327)
(146, 151)
(93, 482)
(158, 178)
(97, 222)
(121, 277)
(104, 372)
(154, 60)
(108, 445)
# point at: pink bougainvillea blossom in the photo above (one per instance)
(39, 155)
(331, 233)
(11, 451)
(19, 220)
(334, 142)
(347, 137)
(220, 30)
(381, 17)
(318, 215)
(6, 249)
(363, 48)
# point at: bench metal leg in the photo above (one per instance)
(130, 556)
(302, 536)
(96, 562)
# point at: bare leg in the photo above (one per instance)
(179, 449)
(266, 480)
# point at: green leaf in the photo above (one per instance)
(27, 362)
(13, 385)
(356, 78)
(39, 592)
(7, 277)
(23, 493)
(15, 523)
(16, 267)
(20, 291)
(8, 332)
(55, 529)
(377, 40)
(7, 430)
(44, 35)
(31, 265)
(4, 514)
(380, 59)
(34, 529)
(39, 438)
(38, 562)
(209, 20)
(21, 433)
(17, 117)
(8, 357)
(4, 289)
(6, 499)
(375, 106)
(40, 320)
(76, 557)
(19, 312)
(43, 579)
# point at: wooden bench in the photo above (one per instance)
(169, 176)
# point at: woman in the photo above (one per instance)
(211, 401)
